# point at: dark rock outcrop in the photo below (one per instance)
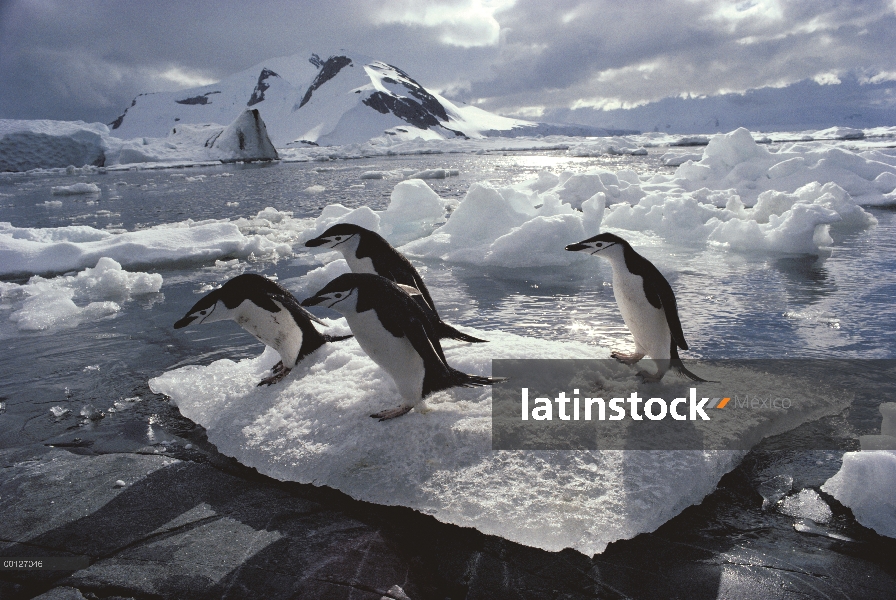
(203, 99)
(328, 70)
(261, 86)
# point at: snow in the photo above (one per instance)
(438, 459)
(49, 304)
(62, 249)
(866, 482)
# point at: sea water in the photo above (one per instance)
(731, 305)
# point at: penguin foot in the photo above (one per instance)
(627, 359)
(277, 368)
(391, 413)
(277, 376)
(650, 377)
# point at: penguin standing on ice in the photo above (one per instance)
(646, 302)
(269, 312)
(397, 334)
(368, 252)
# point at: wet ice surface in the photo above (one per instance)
(731, 305)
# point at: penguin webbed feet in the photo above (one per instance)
(391, 413)
(627, 359)
(278, 374)
(646, 377)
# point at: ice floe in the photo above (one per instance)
(866, 482)
(314, 428)
(49, 304)
(31, 250)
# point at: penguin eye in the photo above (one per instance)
(202, 312)
(338, 295)
(338, 238)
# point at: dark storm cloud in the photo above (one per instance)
(88, 59)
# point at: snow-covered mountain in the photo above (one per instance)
(341, 100)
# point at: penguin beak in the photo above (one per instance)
(184, 322)
(316, 242)
(313, 301)
(577, 247)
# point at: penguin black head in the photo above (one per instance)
(342, 293)
(337, 235)
(218, 304)
(343, 289)
(598, 243)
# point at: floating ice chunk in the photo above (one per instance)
(313, 280)
(62, 249)
(119, 483)
(74, 189)
(59, 411)
(807, 505)
(332, 214)
(315, 189)
(809, 526)
(412, 212)
(314, 427)
(434, 174)
(49, 303)
(866, 483)
(52, 203)
(483, 216)
(839, 133)
(89, 411)
(373, 175)
(672, 159)
(774, 489)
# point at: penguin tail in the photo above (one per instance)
(679, 367)
(465, 380)
(681, 370)
(444, 330)
(336, 338)
(454, 378)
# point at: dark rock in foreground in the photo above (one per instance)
(205, 527)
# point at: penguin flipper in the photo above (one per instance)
(661, 295)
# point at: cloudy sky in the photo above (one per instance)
(86, 59)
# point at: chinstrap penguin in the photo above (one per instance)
(269, 312)
(646, 302)
(397, 334)
(366, 251)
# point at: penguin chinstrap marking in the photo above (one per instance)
(269, 312)
(646, 302)
(366, 251)
(397, 334)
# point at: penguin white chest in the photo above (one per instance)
(275, 329)
(646, 322)
(359, 265)
(395, 355)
